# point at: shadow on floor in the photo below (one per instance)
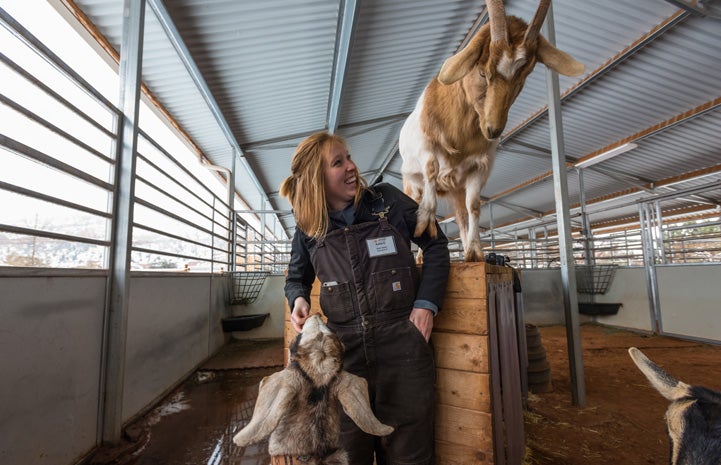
(195, 424)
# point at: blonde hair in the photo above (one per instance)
(305, 187)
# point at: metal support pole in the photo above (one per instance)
(563, 221)
(649, 262)
(534, 245)
(212, 234)
(628, 253)
(262, 236)
(587, 233)
(659, 233)
(233, 215)
(490, 218)
(131, 58)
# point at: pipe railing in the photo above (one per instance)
(180, 221)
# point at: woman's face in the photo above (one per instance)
(339, 174)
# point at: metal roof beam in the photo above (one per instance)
(477, 24)
(344, 40)
(643, 134)
(386, 161)
(387, 119)
(592, 205)
(633, 181)
(177, 41)
(517, 208)
(620, 176)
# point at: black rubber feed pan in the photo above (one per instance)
(243, 322)
(598, 308)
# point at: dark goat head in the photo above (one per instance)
(693, 418)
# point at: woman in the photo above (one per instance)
(357, 241)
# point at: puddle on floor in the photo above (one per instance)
(195, 424)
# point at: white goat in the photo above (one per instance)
(693, 419)
(449, 140)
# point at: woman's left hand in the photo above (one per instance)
(423, 319)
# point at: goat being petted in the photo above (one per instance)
(299, 406)
(449, 141)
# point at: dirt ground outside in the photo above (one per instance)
(623, 420)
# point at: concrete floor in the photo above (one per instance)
(195, 423)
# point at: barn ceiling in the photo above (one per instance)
(248, 80)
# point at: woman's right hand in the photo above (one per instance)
(300, 313)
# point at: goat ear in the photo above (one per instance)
(460, 64)
(275, 395)
(560, 62)
(353, 396)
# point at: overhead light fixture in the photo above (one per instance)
(606, 155)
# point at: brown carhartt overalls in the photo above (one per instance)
(369, 282)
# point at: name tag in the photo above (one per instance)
(381, 246)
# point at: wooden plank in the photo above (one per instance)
(467, 280)
(289, 334)
(456, 454)
(462, 316)
(463, 389)
(496, 393)
(510, 374)
(464, 427)
(464, 352)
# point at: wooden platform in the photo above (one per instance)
(479, 416)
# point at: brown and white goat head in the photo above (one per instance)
(495, 64)
(693, 418)
(299, 406)
(449, 141)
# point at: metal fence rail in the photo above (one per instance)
(59, 162)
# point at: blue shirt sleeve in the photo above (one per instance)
(427, 304)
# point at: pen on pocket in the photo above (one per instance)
(330, 283)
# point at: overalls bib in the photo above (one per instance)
(368, 286)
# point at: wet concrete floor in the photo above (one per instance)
(196, 422)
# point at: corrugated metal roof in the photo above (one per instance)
(652, 76)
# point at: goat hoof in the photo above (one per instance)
(431, 228)
(472, 256)
(425, 223)
(432, 231)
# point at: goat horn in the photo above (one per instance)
(497, 21)
(535, 26)
(669, 387)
